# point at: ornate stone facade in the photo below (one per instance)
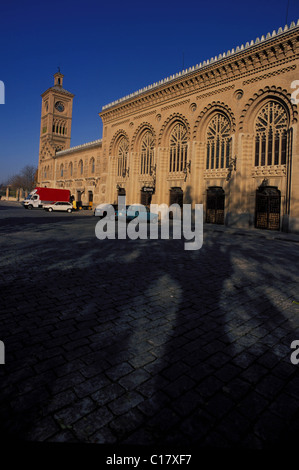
(222, 133)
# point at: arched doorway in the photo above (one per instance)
(215, 205)
(267, 208)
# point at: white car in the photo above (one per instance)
(59, 206)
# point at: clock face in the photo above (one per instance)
(59, 106)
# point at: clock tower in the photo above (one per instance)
(56, 121)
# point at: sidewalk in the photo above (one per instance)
(252, 232)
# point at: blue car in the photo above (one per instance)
(101, 210)
(136, 210)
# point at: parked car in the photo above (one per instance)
(137, 210)
(101, 210)
(59, 206)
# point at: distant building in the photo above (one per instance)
(223, 133)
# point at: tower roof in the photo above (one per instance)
(58, 81)
(59, 89)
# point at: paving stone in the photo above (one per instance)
(209, 386)
(187, 403)
(201, 371)
(142, 360)
(219, 405)
(269, 427)
(29, 400)
(67, 381)
(49, 364)
(115, 373)
(103, 436)
(269, 386)
(91, 385)
(43, 429)
(134, 379)
(252, 405)
(70, 414)
(107, 394)
(150, 387)
(237, 388)
(124, 403)
(154, 404)
(179, 386)
(164, 420)
(197, 426)
(126, 423)
(36, 381)
(268, 359)
(285, 406)
(68, 367)
(58, 401)
(228, 372)
(174, 371)
(292, 386)
(86, 427)
(77, 353)
(254, 373)
(73, 345)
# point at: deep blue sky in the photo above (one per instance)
(108, 49)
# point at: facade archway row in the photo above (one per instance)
(196, 131)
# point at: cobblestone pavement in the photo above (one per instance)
(141, 342)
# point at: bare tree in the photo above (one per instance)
(26, 179)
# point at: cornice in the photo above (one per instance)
(278, 49)
(88, 145)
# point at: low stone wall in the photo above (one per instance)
(9, 198)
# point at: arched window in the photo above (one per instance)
(147, 153)
(81, 167)
(123, 149)
(92, 166)
(61, 170)
(218, 142)
(45, 172)
(271, 128)
(178, 148)
(71, 169)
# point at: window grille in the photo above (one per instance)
(147, 153)
(271, 128)
(218, 142)
(123, 149)
(178, 148)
